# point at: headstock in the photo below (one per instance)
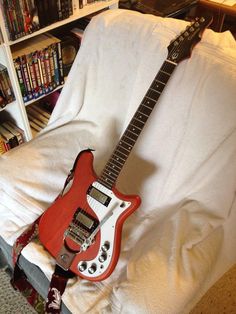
(181, 48)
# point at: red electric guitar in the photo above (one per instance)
(82, 228)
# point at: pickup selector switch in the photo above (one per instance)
(106, 246)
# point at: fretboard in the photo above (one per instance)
(121, 152)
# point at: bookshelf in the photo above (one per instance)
(16, 110)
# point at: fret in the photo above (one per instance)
(155, 90)
(163, 77)
(148, 103)
(165, 72)
(127, 150)
(117, 161)
(138, 122)
(110, 168)
(143, 113)
(121, 156)
(106, 181)
(151, 98)
(153, 94)
(129, 140)
(145, 110)
(110, 174)
(158, 86)
(164, 84)
(125, 146)
(135, 126)
(123, 150)
(132, 132)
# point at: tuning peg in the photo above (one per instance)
(202, 19)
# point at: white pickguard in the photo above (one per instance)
(109, 214)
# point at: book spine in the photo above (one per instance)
(7, 92)
(70, 7)
(64, 9)
(18, 69)
(19, 18)
(43, 72)
(59, 10)
(7, 23)
(55, 64)
(11, 14)
(53, 11)
(60, 63)
(52, 67)
(35, 63)
(48, 69)
(9, 86)
(32, 75)
(32, 16)
(26, 77)
(3, 147)
(41, 13)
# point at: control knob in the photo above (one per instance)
(106, 246)
(92, 269)
(102, 257)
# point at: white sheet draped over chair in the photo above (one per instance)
(182, 238)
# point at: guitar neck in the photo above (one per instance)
(126, 143)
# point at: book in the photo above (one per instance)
(17, 129)
(3, 146)
(19, 133)
(11, 140)
(37, 115)
(69, 48)
(5, 85)
(3, 101)
(40, 110)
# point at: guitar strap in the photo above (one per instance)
(59, 278)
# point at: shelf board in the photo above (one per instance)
(42, 96)
(86, 10)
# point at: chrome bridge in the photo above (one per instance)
(81, 226)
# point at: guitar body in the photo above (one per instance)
(88, 207)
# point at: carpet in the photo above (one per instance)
(221, 297)
(11, 301)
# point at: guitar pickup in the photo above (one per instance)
(99, 196)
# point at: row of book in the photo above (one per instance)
(23, 17)
(10, 136)
(38, 65)
(38, 117)
(6, 91)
